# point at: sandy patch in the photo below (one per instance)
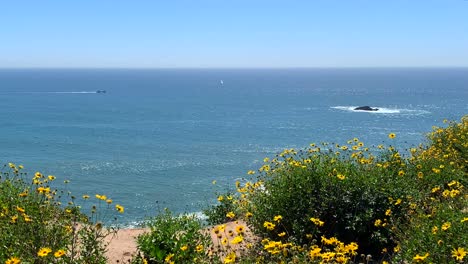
(122, 245)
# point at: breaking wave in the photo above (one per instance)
(383, 110)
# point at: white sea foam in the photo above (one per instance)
(383, 110)
(82, 92)
(59, 92)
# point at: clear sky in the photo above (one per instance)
(233, 33)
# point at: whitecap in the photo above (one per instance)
(383, 110)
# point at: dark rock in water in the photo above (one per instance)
(366, 108)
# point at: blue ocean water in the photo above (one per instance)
(158, 138)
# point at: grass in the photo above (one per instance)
(328, 203)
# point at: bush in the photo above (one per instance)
(173, 239)
(217, 214)
(348, 192)
(38, 225)
(377, 198)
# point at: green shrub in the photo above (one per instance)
(374, 197)
(438, 235)
(217, 214)
(339, 189)
(173, 239)
(42, 224)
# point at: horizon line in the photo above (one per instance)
(233, 68)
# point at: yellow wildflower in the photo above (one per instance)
(19, 209)
(231, 258)
(184, 247)
(277, 218)
(450, 184)
(446, 226)
(420, 258)
(13, 260)
(317, 221)
(459, 253)
(59, 253)
(237, 240)
(269, 225)
(224, 241)
(199, 248)
(119, 208)
(169, 258)
(446, 193)
(230, 215)
(314, 252)
(27, 218)
(454, 193)
(378, 223)
(351, 248)
(391, 135)
(14, 219)
(240, 229)
(43, 252)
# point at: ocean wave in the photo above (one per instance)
(56, 92)
(383, 110)
(136, 224)
(82, 92)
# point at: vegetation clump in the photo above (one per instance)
(40, 223)
(370, 204)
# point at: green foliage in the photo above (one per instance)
(38, 225)
(216, 214)
(383, 200)
(173, 239)
(436, 234)
(349, 196)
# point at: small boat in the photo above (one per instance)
(101, 91)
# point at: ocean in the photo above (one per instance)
(158, 138)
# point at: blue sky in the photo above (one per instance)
(233, 33)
